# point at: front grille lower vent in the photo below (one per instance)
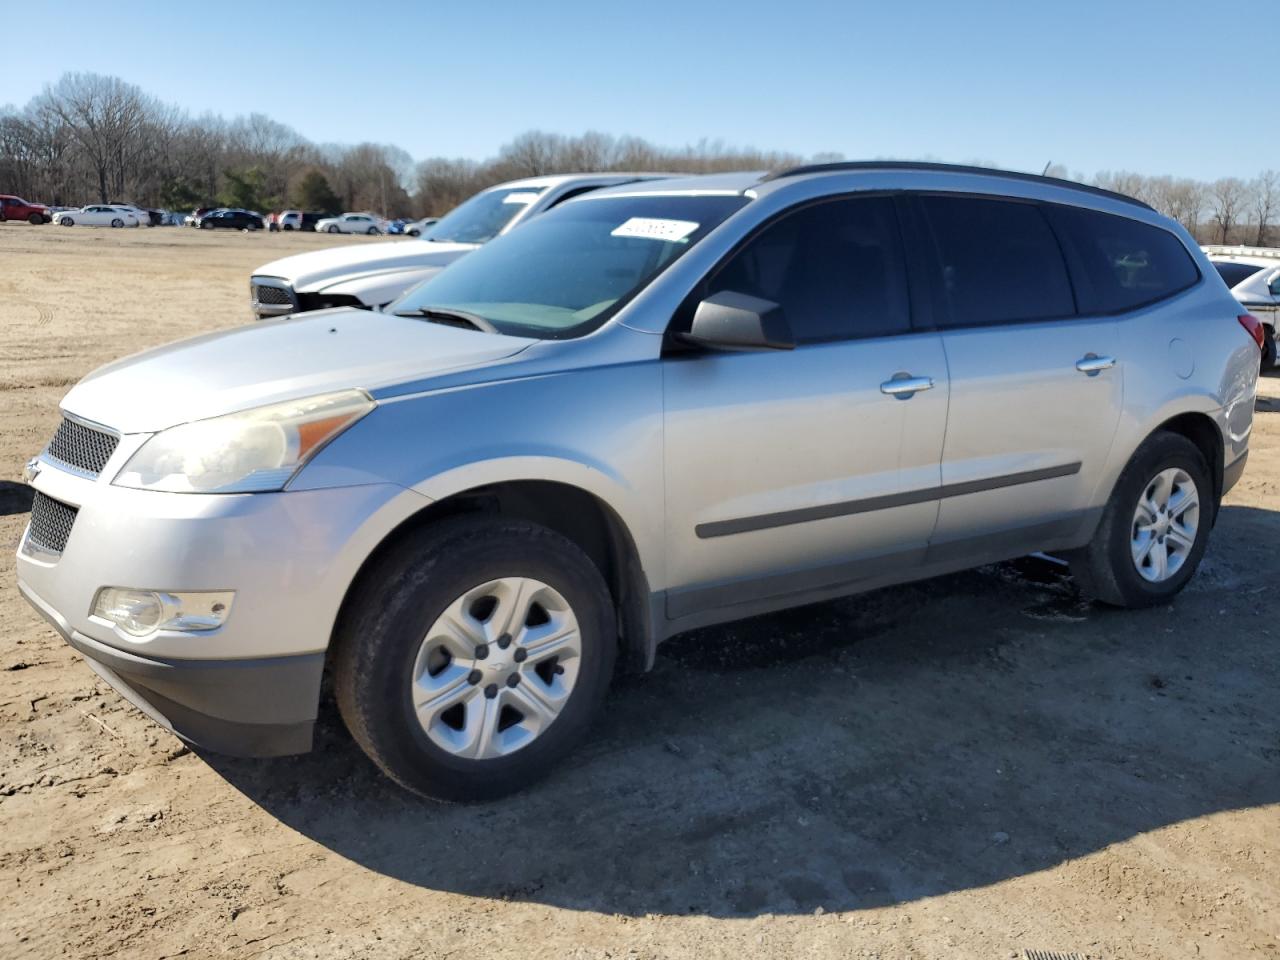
(276, 296)
(51, 522)
(81, 448)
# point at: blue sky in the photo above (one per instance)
(1158, 87)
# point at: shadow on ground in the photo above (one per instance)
(869, 751)
(15, 498)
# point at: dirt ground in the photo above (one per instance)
(976, 766)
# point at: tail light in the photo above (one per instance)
(1254, 327)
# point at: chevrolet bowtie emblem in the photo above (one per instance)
(31, 470)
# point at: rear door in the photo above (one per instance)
(1036, 388)
(794, 471)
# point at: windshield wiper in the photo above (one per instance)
(452, 318)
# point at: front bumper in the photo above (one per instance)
(243, 708)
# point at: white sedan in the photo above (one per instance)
(418, 227)
(352, 223)
(96, 215)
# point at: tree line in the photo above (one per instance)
(92, 138)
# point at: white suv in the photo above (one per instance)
(1253, 276)
(372, 276)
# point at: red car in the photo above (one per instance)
(15, 208)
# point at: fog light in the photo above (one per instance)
(140, 613)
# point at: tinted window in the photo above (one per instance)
(1122, 263)
(1000, 261)
(836, 268)
(1234, 273)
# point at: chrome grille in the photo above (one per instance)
(81, 448)
(51, 522)
(276, 296)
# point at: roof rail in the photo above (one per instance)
(951, 168)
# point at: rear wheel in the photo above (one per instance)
(474, 657)
(1154, 529)
(1268, 348)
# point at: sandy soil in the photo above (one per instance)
(971, 767)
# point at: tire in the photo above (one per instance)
(117, 222)
(206, 225)
(331, 229)
(287, 226)
(414, 233)
(67, 222)
(35, 220)
(372, 231)
(382, 638)
(1268, 349)
(1106, 569)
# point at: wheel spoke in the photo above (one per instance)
(562, 638)
(1142, 549)
(1181, 537)
(484, 738)
(1185, 500)
(514, 596)
(1160, 560)
(431, 695)
(531, 701)
(1161, 488)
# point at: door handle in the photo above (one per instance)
(903, 386)
(1092, 364)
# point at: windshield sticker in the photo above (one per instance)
(522, 198)
(649, 228)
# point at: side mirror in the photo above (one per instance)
(737, 321)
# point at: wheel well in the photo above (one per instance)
(573, 513)
(1204, 433)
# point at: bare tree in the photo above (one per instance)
(1265, 192)
(1227, 198)
(103, 114)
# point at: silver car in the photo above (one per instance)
(656, 407)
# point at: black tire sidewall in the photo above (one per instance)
(1161, 453)
(395, 622)
(1268, 348)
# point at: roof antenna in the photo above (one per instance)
(1045, 171)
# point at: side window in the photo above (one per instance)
(1000, 261)
(1125, 263)
(1274, 285)
(836, 268)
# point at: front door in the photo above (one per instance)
(793, 472)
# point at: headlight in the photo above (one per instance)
(248, 452)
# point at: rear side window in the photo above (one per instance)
(1000, 261)
(1122, 263)
(836, 268)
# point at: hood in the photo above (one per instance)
(275, 361)
(317, 270)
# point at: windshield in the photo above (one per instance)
(483, 217)
(569, 270)
(1235, 273)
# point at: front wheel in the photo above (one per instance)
(67, 222)
(332, 229)
(372, 231)
(36, 220)
(1153, 530)
(474, 656)
(206, 225)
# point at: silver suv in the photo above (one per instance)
(656, 407)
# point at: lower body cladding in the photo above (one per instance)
(245, 708)
(250, 687)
